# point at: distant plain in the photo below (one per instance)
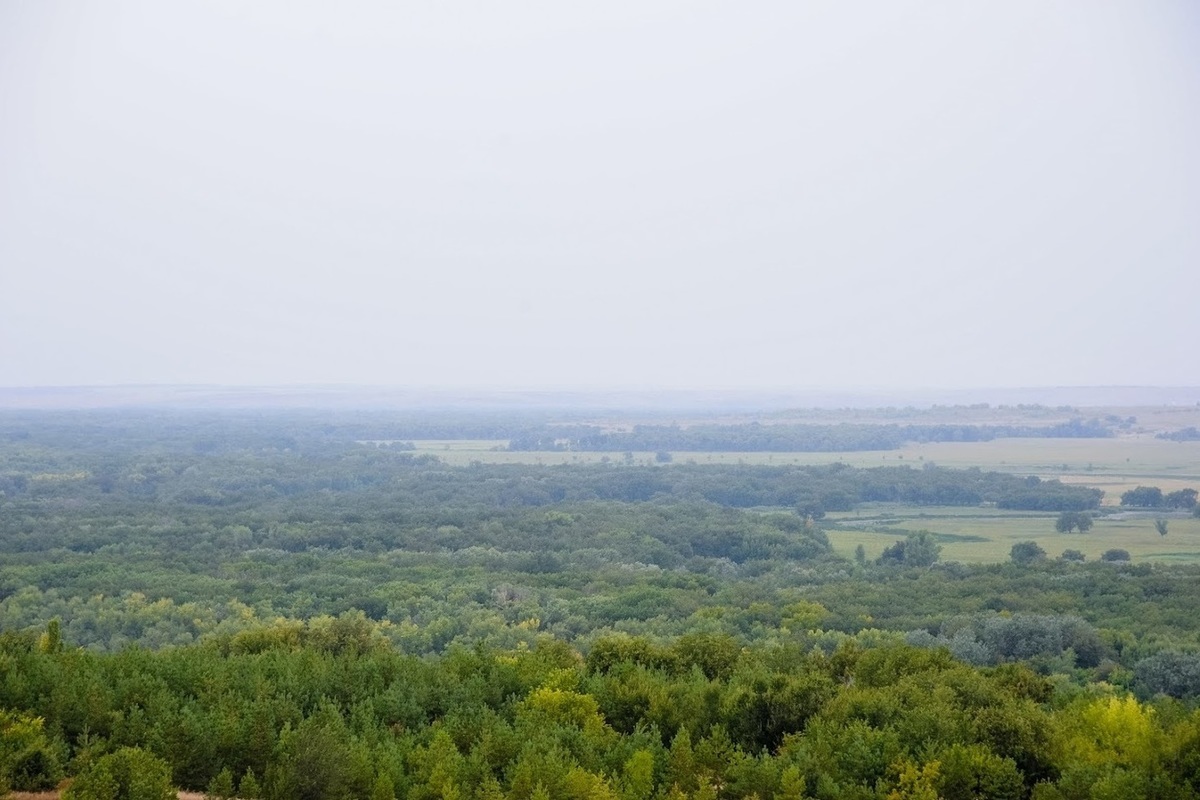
(984, 535)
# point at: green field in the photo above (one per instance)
(1114, 465)
(987, 535)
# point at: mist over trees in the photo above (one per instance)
(754, 437)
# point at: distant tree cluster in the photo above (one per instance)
(1035, 494)
(915, 550)
(1153, 497)
(1189, 434)
(1070, 521)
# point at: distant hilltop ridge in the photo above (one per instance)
(215, 397)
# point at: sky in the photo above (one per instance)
(645, 194)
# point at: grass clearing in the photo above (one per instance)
(987, 535)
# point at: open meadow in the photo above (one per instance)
(987, 535)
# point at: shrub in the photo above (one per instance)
(1174, 674)
(128, 774)
(1027, 553)
(27, 760)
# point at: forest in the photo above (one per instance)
(293, 604)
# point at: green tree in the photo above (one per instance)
(1143, 497)
(1069, 521)
(973, 772)
(128, 774)
(1160, 525)
(681, 762)
(1170, 673)
(637, 782)
(915, 550)
(221, 786)
(1183, 498)
(248, 788)
(383, 789)
(915, 782)
(1026, 553)
(920, 549)
(51, 640)
(27, 761)
(316, 761)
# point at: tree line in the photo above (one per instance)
(1154, 497)
(783, 438)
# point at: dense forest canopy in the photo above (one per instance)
(278, 606)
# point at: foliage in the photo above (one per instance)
(1143, 497)
(1173, 674)
(994, 639)
(221, 786)
(28, 760)
(130, 773)
(326, 618)
(640, 721)
(915, 550)
(1069, 521)
(1181, 498)
(1027, 553)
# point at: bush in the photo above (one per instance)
(915, 550)
(128, 774)
(992, 639)
(1116, 554)
(1174, 674)
(27, 761)
(1025, 553)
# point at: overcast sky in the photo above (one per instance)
(610, 194)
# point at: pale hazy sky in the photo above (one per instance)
(633, 194)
